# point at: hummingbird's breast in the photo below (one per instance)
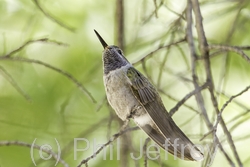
(119, 94)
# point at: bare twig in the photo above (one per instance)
(125, 146)
(145, 151)
(226, 59)
(69, 146)
(20, 143)
(120, 23)
(8, 76)
(64, 73)
(111, 118)
(181, 16)
(238, 116)
(48, 15)
(235, 49)
(34, 41)
(187, 120)
(239, 122)
(156, 9)
(225, 105)
(207, 134)
(115, 136)
(163, 64)
(182, 101)
(157, 152)
(177, 100)
(11, 80)
(159, 48)
(120, 39)
(143, 63)
(153, 13)
(242, 47)
(199, 98)
(205, 53)
(104, 101)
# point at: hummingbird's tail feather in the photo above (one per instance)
(183, 149)
(158, 138)
(162, 129)
(177, 136)
(166, 127)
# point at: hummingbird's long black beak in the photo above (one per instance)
(104, 44)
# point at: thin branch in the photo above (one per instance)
(145, 151)
(85, 133)
(235, 49)
(226, 104)
(177, 100)
(225, 67)
(48, 15)
(34, 41)
(159, 48)
(115, 136)
(64, 73)
(181, 16)
(235, 101)
(153, 13)
(143, 63)
(205, 53)
(163, 64)
(246, 137)
(104, 101)
(187, 120)
(198, 96)
(34, 146)
(242, 47)
(111, 118)
(11, 80)
(156, 9)
(159, 156)
(240, 122)
(184, 99)
(120, 23)
(235, 118)
(212, 131)
(133, 150)
(120, 39)
(190, 39)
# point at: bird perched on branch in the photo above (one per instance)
(132, 95)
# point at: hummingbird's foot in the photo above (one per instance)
(125, 124)
(135, 111)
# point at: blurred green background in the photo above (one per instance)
(55, 108)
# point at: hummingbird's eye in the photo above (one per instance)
(119, 51)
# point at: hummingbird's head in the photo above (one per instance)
(112, 56)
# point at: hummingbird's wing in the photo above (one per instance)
(166, 131)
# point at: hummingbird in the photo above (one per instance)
(132, 96)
